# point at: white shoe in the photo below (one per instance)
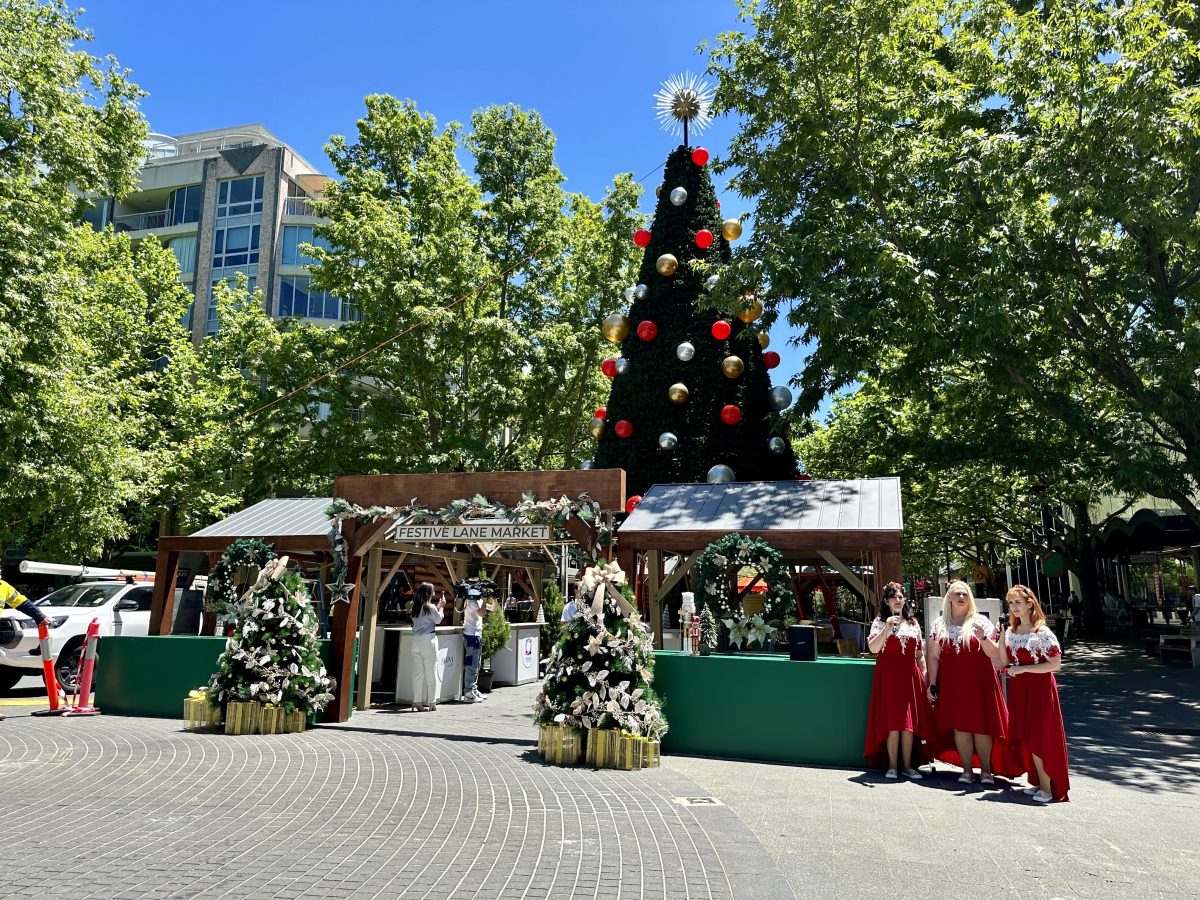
(912, 774)
(891, 773)
(1029, 790)
(1041, 796)
(966, 778)
(468, 698)
(479, 695)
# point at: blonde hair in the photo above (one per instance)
(1036, 617)
(948, 606)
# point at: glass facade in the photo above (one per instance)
(236, 234)
(240, 197)
(185, 204)
(293, 237)
(297, 297)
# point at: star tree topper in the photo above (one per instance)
(684, 100)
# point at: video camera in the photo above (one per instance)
(474, 587)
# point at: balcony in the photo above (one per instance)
(299, 206)
(155, 218)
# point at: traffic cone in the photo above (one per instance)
(52, 691)
(83, 705)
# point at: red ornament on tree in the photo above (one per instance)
(601, 412)
(641, 237)
(720, 329)
(804, 476)
(770, 359)
(632, 502)
(609, 367)
(647, 330)
(624, 428)
(730, 415)
(704, 238)
(699, 156)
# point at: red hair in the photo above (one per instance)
(1036, 617)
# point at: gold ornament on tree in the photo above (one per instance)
(678, 392)
(667, 265)
(751, 309)
(764, 340)
(731, 229)
(616, 327)
(597, 427)
(733, 366)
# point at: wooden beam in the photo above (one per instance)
(162, 604)
(366, 637)
(654, 577)
(680, 571)
(345, 626)
(842, 569)
(584, 534)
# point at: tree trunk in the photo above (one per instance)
(1085, 560)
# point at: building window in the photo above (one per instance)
(350, 311)
(212, 323)
(236, 246)
(293, 237)
(298, 298)
(185, 204)
(240, 197)
(184, 249)
(98, 213)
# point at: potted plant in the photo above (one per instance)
(494, 638)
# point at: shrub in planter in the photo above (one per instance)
(494, 638)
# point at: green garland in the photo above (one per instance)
(221, 596)
(738, 551)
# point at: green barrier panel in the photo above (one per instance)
(764, 707)
(151, 676)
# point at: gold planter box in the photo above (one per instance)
(242, 717)
(200, 715)
(560, 745)
(277, 720)
(612, 749)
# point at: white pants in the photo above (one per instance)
(426, 684)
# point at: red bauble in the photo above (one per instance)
(609, 367)
(770, 359)
(624, 428)
(720, 329)
(804, 476)
(704, 238)
(730, 414)
(601, 412)
(632, 502)
(641, 237)
(699, 156)
(647, 330)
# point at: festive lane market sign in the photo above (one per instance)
(466, 534)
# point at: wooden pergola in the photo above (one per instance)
(299, 528)
(811, 523)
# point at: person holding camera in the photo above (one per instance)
(475, 607)
(962, 681)
(1030, 651)
(900, 713)
(427, 686)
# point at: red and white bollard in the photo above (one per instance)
(48, 676)
(83, 705)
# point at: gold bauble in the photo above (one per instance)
(658, 191)
(750, 311)
(597, 427)
(667, 264)
(678, 392)
(731, 229)
(616, 327)
(764, 340)
(732, 366)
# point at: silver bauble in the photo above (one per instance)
(777, 445)
(586, 464)
(641, 291)
(711, 282)
(780, 398)
(678, 196)
(668, 441)
(630, 293)
(685, 351)
(623, 367)
(720, 474)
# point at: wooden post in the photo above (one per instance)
(654, 577)
(162, 605)
(345, 626)
(366, 640)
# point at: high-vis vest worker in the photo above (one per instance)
(10, 596)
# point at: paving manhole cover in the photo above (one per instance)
(697, 801)
(1170, 732)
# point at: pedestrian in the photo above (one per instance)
(963, 684)
(1030, 651)
(900, 713)
(427, 686)
(474, 609)
(11, 597)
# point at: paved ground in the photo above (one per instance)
(456, 804)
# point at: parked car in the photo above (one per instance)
(121, 607)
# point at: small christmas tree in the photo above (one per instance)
(272, 656)
(708, 630)
(600, 671)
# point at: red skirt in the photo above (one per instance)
(1036, 729)
(898, 703)
(970, 700)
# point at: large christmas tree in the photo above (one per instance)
(691, 389)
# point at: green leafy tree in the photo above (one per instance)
(1009, 187)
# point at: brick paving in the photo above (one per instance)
(457, 804)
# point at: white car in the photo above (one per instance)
(122, 608)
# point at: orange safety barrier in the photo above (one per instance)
(83, 703)
(52, 692)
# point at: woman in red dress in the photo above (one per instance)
(899, 706)
(963, 683)
(1039, 742)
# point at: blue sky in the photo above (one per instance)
(302, 69)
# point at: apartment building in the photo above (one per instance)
(228, 201)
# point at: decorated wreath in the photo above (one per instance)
(220, 598)
(738, 552)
